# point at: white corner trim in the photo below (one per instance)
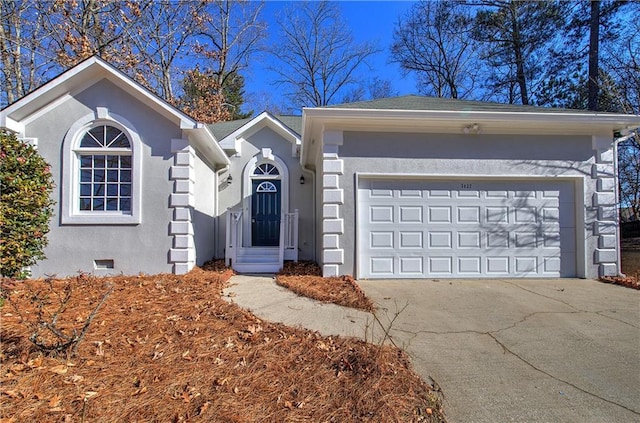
(182, 200)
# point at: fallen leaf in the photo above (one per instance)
(204, 407)
(11, 394)
(36, 362)
(61, 369)
(17, 368)
(140, 391)
(90, 394)
(73, 379)
(55, 401)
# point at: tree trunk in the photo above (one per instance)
(594, 35)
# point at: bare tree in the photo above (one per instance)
(163, 34)
(434, 40)
(517, 37)
(316, 54)
(23, 60)
(231, 34)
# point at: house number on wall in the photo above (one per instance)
(465, 186)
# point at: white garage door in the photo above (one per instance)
(433, 228)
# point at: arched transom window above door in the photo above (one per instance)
(266, 170)
(266, 186)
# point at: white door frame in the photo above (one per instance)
(265, 156)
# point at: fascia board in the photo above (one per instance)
(451, 121)
(204, 141)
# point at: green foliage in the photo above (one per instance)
(25, 205)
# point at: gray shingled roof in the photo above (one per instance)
(223, 129)
(414, 102)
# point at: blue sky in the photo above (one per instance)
(367, 20)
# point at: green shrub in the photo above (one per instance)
(25, 205)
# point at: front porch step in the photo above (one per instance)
(258, 260)
(257, 267)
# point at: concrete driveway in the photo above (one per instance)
(521, 350)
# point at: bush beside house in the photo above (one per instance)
(25, 205)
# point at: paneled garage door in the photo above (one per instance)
(483, 228)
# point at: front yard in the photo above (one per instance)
(168, 348)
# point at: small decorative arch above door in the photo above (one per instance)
(266, 186)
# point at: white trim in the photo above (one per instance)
(70, 214)
(248, 176)
(578, 189)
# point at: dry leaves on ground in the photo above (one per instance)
(168, 348)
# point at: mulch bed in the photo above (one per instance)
(305, 278)
(167, 348)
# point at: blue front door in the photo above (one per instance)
(265, 213)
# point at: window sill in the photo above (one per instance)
(100, 219)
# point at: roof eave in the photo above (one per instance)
(204, 140)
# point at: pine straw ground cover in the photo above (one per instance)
(167, 348)
(630, 265)
(305, 278)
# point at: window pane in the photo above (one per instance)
(85, 190)
(125, 162)
(85, 203)
(98, 189)
(98, 162)
(112, 176)
(118, 140)
(98, 175)
(125, 204)
(89, 141)
(112, 162)
(98, 204)
(112, 190)
(125, 176)
(125, 190)
(112, 204)
(86, 161)
(98, 133)
(85, 175)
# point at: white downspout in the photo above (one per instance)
(216, 209)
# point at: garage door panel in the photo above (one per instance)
(439, 214)
(485, 228)
(410, 239)
(440, 240)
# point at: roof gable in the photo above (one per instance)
(77, 79)
(231, 134)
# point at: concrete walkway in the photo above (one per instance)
(501, 350)
(269, 301)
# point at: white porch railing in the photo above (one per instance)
(233, 235)
(287, 245)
